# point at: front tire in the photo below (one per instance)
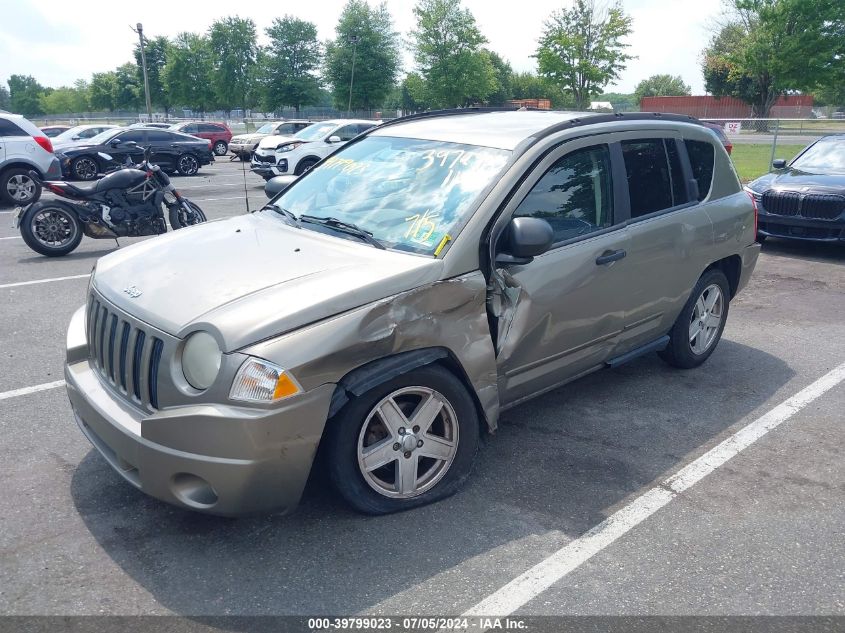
(700, 324)
(84, 168)
(304, 165)
(51, 229)
(220, 148)
(186, 214)
(187, 165)
(18, 188)
(405, 443)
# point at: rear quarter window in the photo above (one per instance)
(701, 157)
(7, 128)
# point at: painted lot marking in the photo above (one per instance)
(43, 281)
(23, 391)
(13, 237)
(547, 572)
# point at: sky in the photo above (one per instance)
(60, 42)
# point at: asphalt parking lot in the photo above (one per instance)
(762, 533)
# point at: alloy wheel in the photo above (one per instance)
(188, 165)
(21, 188)
(54, 227)
(408, 442)
(706, 318)
(85, 168)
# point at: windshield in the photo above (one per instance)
(315, 132)
(267, 128)
(827, 156)
(412, 195)
(103, 137)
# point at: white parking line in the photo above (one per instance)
(43, 281)
(255, 197)
(23, 391)
(13, 237)
(539, 578)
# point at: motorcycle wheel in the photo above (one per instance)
(51, 229)
(185, 214)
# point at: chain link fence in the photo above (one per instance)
(757, 142)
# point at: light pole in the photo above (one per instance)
(140, 31)
(354, 41)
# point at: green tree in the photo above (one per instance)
(504, 78)
(582, 48)
(661, 86)
(155, 50)
(66, 100)
(293, 58)
(101, 90)
(187, 73)
(234, 54)
(771, 47)
(127, 91)
(367, 33)
(447, 50)
(4, 98)
(25, 95)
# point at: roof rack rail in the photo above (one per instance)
(429, 114)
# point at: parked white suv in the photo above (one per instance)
(305, 148)
(243, 145)
(23, 148)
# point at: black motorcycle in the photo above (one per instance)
(128, 202)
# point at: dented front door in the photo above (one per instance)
(561, 314)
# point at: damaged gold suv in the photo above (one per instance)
(389, 304)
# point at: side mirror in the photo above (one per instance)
(524, 239)
(779, 163)
(333, 139)
(277, 185)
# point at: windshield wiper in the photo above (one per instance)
(344, 227)
(292, 219)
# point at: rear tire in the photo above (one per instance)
(220, 148)
(187, 165)
(698, 328)
(18, 188)
(51, 229)
(359, 437)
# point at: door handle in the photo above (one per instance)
(610, 256)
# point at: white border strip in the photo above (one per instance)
(539, 578)
(43, 281)
(23, 391)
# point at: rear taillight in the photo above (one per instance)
(754, 204)
(44, 142)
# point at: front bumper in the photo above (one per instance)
(241, 148)
(268, 170)
(215, 458)
(798, 228)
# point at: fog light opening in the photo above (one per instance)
(193, 490)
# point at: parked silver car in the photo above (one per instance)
(390, 303)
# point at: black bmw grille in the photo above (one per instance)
(817, 206)
(126, 355)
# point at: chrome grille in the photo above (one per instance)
(817, 206)
(125, 352)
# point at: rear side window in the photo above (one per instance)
(210, 129)
(7, 128)
(136, 135)
(159, 135)
(701, 157)
(574, 195)
(655, 179)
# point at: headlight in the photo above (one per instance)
(286, 148)
(201, 359)
(261, 381)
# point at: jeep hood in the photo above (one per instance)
(252, 277)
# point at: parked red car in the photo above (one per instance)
(218, 133)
